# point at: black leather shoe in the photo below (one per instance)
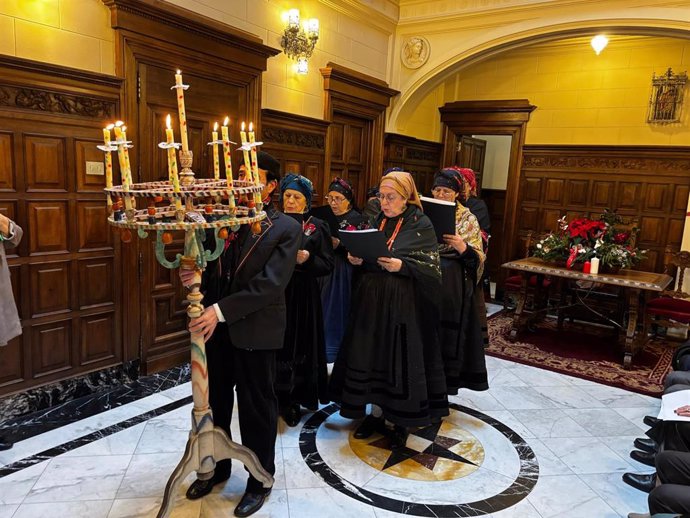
(201, 488)
(399, 437)
(251, 503)
(370, 425)
(648, 445)
(292, 415)
(5, 444)
(644, 457)
(642, 482)
(650, 420)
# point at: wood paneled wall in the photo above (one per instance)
(419, 157)
(299, 143)
(64, 278)
(650, 184)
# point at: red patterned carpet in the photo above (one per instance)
(592, 356)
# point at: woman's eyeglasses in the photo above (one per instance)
(390, 198)
(443, 191)
(336, 199)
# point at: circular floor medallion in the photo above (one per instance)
(450, 455)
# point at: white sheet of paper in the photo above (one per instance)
(669, 402)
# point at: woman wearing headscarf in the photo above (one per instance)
(391, 356)
(462, 263)
(301, 364)
(478, 207)
(336, 287)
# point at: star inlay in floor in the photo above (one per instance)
(436, 452)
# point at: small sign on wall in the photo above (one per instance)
(95, 168)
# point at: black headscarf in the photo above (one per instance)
(449, 178)
(343, 187)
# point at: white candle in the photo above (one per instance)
(181, 111)
(216, 162)
(108, 165)
(227, 154)
(255, 165)
(247, 163)
(172, 161)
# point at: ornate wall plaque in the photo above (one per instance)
(666, 101)
(415, 52)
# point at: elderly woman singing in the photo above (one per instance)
(391, 356)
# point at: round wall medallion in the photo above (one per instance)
(415, 52)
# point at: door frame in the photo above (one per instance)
(352, 93)
(500, 117)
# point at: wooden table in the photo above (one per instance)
(636, 288)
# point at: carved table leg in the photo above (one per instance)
(631, 331)
(519, 318)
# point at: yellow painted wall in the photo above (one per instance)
(77, 33)
(581, 98)
(72, 33)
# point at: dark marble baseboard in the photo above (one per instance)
(45, 408)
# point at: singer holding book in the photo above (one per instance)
(337, 287)
(302, 376)
(462, 263)
(390, 356)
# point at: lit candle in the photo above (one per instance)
(255, 165)
(123, 157)
(227, 155)
(247, 164)
(108, 164)
(172, 162)
(127, 164)
(216, 162)
(180, 109)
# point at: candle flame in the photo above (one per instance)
(110, 127)
(167, 121)
(178, 72)
(215, 126)
(251, 127)
(118, 123)
(242, 125)
(124, 129)
(226, 121)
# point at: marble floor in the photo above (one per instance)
(536, 445)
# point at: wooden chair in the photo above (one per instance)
(672, 308)
(513, 284)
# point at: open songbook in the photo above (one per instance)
(367, 244)
(669, 403)
(442, 216)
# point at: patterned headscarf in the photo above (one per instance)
(299, 183)
(343, 187)
(450, 178)
(403, 184)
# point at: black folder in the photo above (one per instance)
(366, 244)
(442, 216)
(325, 213)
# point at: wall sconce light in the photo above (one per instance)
(599, 43)
(298, 42)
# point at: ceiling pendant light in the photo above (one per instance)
(599, 43)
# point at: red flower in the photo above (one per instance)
(350, 227)
(309, 229)
(621, 237)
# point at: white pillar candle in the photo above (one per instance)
(594, 266)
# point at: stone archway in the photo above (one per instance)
(500, 40)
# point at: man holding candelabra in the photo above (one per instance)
(243, 325)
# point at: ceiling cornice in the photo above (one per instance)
(367, 15)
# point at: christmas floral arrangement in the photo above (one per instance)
(583, 239)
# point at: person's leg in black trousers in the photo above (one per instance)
(219, 355)
(673, 495)
(254, 373)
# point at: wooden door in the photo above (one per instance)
(349, 152)
(64, 279)
(471, 153)
(163, 317)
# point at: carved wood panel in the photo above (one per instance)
(299, 144)
(6, 162)
(649, 184)
(419, 157)
(50, 122)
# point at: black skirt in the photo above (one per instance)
(462, 343)
(301, 375)
(390, 355)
